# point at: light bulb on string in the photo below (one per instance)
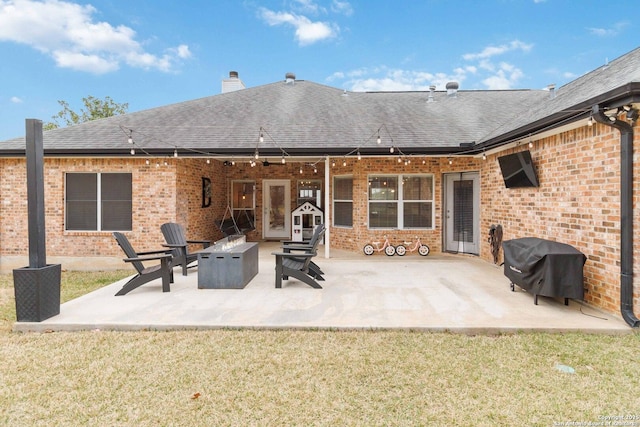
(175, 153)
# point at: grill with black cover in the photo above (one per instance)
(544, 267)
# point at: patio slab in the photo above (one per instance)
(440, 292)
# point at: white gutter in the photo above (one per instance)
(327, 201)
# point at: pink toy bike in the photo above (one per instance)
(385, 246)
(412, 247)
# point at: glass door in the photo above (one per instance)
(277, 209)
(462, 210)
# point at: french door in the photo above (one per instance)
(277, 208)
(462, 212)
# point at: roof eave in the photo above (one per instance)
(622, 95)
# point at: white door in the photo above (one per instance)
(277, 208)
(462, 210)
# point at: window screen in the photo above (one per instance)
(343, 201)
(95, 201)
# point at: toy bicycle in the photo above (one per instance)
(412, 247)
(385, 246)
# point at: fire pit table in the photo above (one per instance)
(228, 264)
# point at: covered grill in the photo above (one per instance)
(545, 268)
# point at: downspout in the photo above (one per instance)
(626, 212)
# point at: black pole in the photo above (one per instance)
(35, 193)
(36, 287)
(626, 213)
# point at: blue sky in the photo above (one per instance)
(150, 53)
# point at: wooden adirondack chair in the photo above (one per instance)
(294, 265)
(299, 263)
(175, 237)
(145, 274)
(309, 246)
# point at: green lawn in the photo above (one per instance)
(294, 377)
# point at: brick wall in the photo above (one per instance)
(577, 203)
(154, 202)
(355, 238)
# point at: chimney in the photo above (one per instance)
(552, 90)
(452, 89)
(233, 83)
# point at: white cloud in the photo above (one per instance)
(483, 71)
(306, 31)
(342, 7)
(505, 77)
(68, 33)
(387, 79)
(16, 100)
(491, 51)
(608, 32)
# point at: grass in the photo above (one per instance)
(294, 377)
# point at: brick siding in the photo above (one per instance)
(577, 202)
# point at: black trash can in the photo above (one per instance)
(544, 267)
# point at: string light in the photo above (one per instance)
(530, 142)
(175, 153)
(391, 150)
(450, 161)
(378, 140)
(130, 139)
(133, 151)
(359, 156)
(282, 160)
(344, 162)
(484, 156)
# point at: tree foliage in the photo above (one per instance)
(94, 108)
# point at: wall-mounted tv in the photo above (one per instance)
(518, 170)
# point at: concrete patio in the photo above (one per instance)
(440, 292)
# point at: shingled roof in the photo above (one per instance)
(305, 118)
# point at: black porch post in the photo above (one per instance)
(35, 194)
(36, 287)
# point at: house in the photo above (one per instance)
(397, 163)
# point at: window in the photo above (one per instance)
(343, 201)
(401, 201)
(310, 191)
(98, 202)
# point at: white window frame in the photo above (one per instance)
(400, 202)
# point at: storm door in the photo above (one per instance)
(462, 212)
(277, 209)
